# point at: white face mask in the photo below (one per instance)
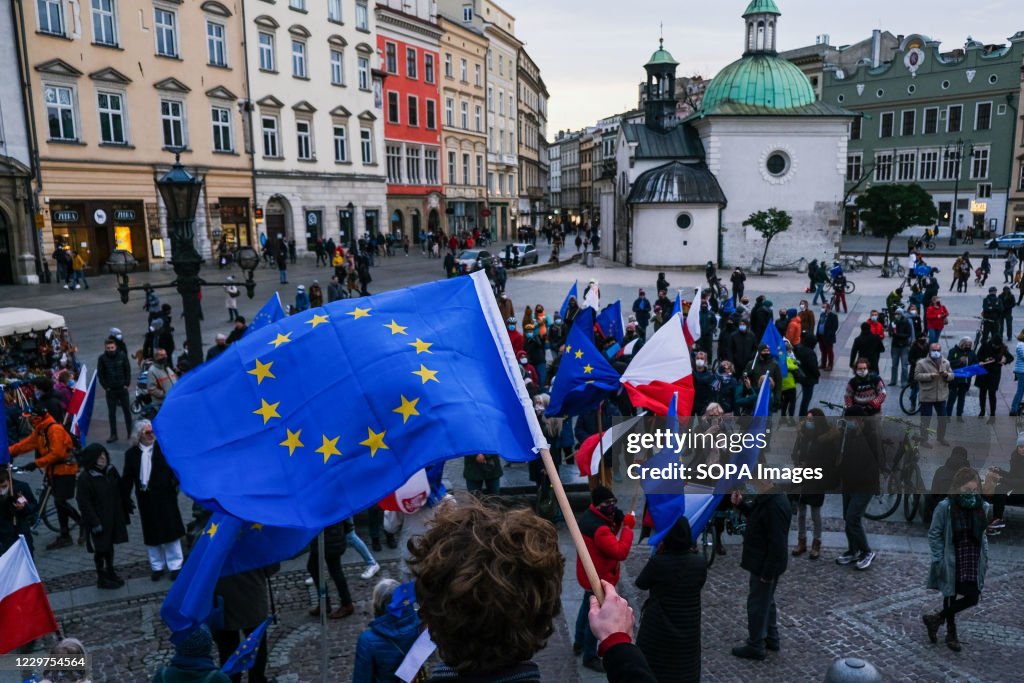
(936, 355)
(862, 373)
(743, 328)
(699, 363)
(802, 307)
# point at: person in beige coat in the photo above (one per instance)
(933, 375)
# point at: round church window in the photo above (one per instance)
(684, 221)
(777, 163)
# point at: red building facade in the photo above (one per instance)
(408, 48)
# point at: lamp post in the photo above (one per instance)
(955, 153)
(350, 217)
(180, 191)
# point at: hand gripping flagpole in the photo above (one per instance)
(574, 528)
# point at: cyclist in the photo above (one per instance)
(838, 287)
(17, 510)
(52, 444)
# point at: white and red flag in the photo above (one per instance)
(24, 608)
(691, 328)
(660, 369)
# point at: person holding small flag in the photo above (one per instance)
(387, 639)
(17, 510)
(246, 600)
(193, 660)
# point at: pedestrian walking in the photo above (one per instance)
(765, 558)
(292, 252)
(860, 464)
(959, 548)
(78, 272)
(104, 512)
(231, 293)
(282, 263)
(933, 375)
(670, 634)
(148, 476)
(114, 373)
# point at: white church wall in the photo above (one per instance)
(810, 188)
(659, 242)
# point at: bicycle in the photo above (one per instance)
(718, 289)
(901, 482)
(849, 287)
(710, 538)
(908, 405)
(851, 263)
(46, 512)
(892, 267)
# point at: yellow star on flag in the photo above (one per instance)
(262, 371)
(267, 410)
(256, 527)
(317, 320)
(329, 447)
(407, 409)
(568, 348)
(359, 313)
(212, 530)
(426, 375)
(281, 339)
(579, 354)
(374, 442)
(587, 369)
(292, 442)
(421, 346)
(396, 328)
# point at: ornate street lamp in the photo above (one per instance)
(180, 191)
(350, 216)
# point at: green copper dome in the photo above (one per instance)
(761, 7)
(661, 56)
(760, 80)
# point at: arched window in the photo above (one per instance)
(771, 36)
(750, 37)
(760, 36)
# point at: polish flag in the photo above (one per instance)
(410, 496)
(24, 608)
(629, 349)
(83, 416)
(660, 369)
(691, 328)
(78, 395)
(596, 446)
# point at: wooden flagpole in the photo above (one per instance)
(574, 528)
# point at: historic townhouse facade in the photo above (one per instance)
(944, 120)
(117, 87)
(408, 39)
(18, 236)
(532, 149)
(569, 167)
(316, 120)
(463, 54)
(1015, 204)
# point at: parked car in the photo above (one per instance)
(1012, 240)
(474, 259)
(527, 255)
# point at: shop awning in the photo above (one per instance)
(21, 320)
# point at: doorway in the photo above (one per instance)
(6, 252)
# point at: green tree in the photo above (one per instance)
(769, 223)
(888, 210)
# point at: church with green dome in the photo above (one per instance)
(760, 139)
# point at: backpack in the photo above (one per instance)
(76, 444)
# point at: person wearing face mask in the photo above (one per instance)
(761, 318)
(742, 346)
(104, 511)
(725, 337)
(794, 327)
(147, 474)
(960, 356)
(119, 339)
(115, 376)
(809, 375)
(865, 390)
(933, 375)
(827, 329)
(806, 316)
(738, 280)
(556, 334)
(860, 463)
(992, 355)
(534, 347)
(901, 332)
(703, 383)
(724, 388)
(935, 318)
(787, 407)
(608, 534)
(765, 365)
(866, 346)
(877, 328)
(642, 310)
(17, 511)
(959, 548)
(162, 378)
(1007, 304)
(514, 335)
(914, 318)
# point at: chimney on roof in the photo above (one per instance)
(876, 48)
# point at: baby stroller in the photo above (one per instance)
(142, 404)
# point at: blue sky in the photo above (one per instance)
(591, 52)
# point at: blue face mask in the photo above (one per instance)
(511, 328)
(808, 425)
(968, 501)
(530, 335)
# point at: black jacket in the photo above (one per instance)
(157, 501)
(625, 663)
(804, 355)
(669, 634)
(104, 511)
(114, 372)
(246, 597)
(742, 347)
(766, 540)
(703, 388)
(14, 522)
(760, 319)
(828, 327)
(869, 347)
(860, 460)
(902, 332)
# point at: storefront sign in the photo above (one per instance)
(123, 215)
(978, 207)
(65, 216)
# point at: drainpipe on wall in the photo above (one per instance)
(30, 116)
(720, 237)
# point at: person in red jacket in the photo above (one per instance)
(877, 328)
(515, 336)
(600, 525)
(935, 318)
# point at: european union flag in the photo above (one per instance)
(584, 377)
(402, 599)
(584, 322)
(227, 546)
(244, 657)
(271, 312)
(573, 294)
(313, 418)
(610, 321)
(777, 345)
